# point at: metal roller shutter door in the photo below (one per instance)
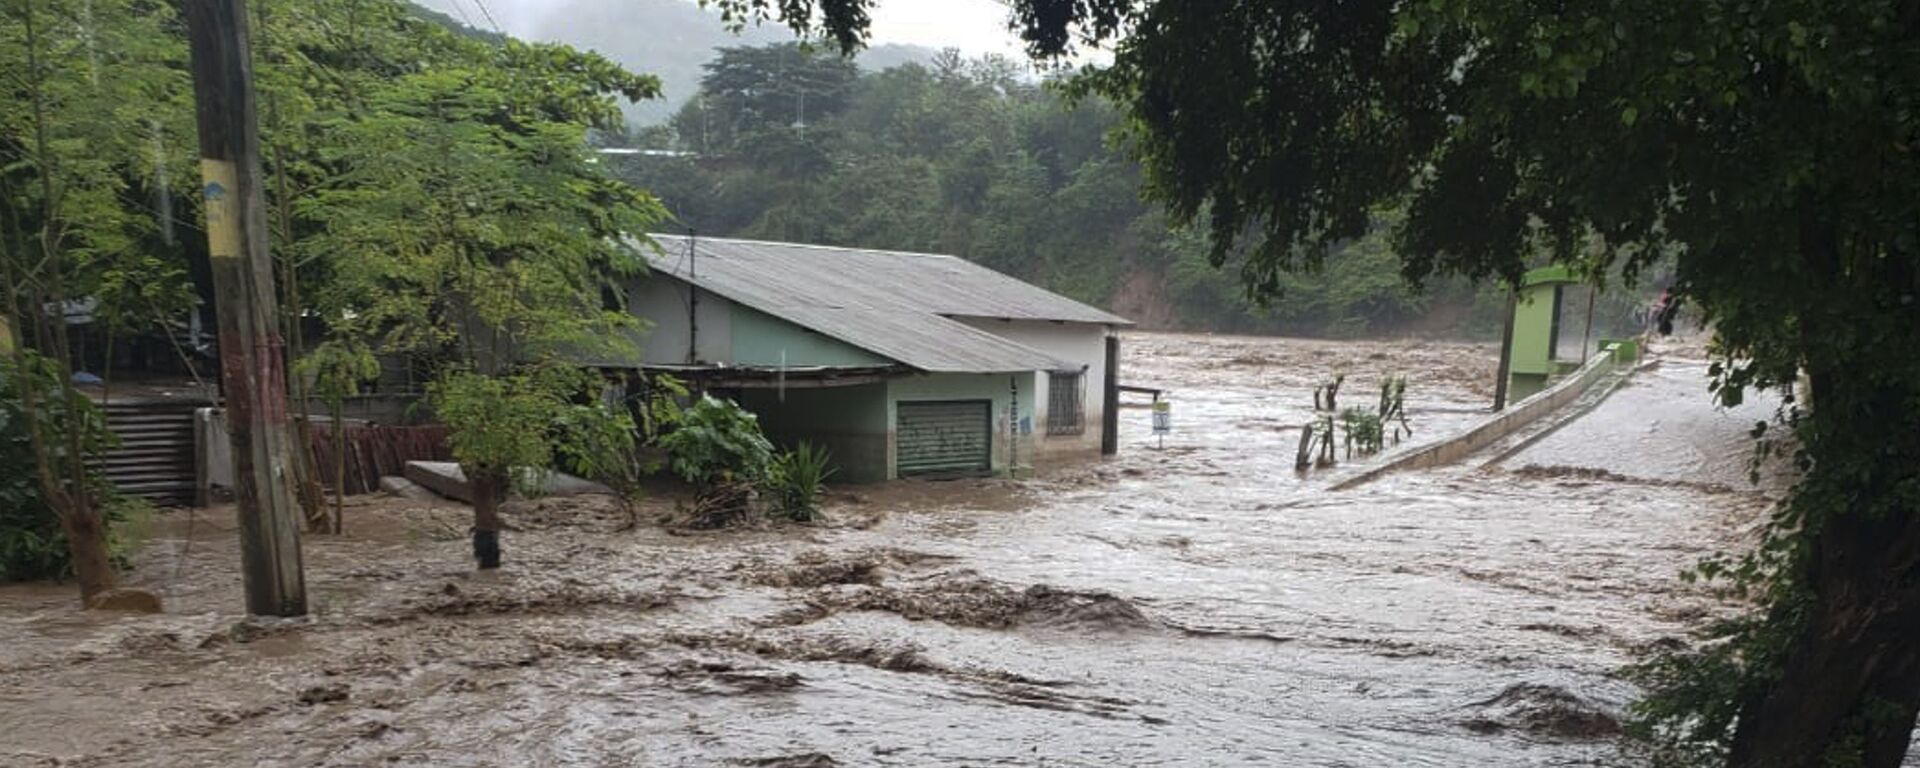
(945, 438)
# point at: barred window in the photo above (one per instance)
(1066, 404)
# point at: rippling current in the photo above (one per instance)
(1197, 604)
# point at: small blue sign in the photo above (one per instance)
(214, 191)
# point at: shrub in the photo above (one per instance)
(715, 442)
(32, 545)
(717, 446)
(795, 480)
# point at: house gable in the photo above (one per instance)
(762, 340)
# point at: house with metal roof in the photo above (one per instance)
(902, 364)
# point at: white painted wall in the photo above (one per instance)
(1082, 344)
(663, 301)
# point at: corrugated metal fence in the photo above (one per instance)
(154, 457)
(373, 451)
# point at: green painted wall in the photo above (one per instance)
(851, 422)
(759, 339)
(1533, 330)
(996, 387)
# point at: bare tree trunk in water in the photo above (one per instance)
(489, 489)
(87, 544)
(1850, 685)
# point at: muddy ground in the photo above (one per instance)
(1197, 604)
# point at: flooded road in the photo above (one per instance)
(1197, 604)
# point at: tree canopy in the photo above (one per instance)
(1769, 146)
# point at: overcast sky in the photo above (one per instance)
(973, 26)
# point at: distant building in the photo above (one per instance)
(902, 364)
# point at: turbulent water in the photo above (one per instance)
(1193, 604)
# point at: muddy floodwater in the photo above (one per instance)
(1197, 604)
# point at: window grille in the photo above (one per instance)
(1066, 404)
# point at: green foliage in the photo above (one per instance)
(113, 95)
(1363, 431)
(1366, 430)
(795, 480)
(596, 438)
(660, 398)
(717, 442)
(338, 368)
(467, 217)
(448, 209)
(752, 96)
(32, 543)
(521, 422)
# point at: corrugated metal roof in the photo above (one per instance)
(893, 303)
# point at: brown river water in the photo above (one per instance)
(1197, 604)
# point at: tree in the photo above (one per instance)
(753, 91)
(1772, 145)
(337, 368)
(77, 138)
(464, 222)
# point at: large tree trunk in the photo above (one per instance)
(489, 489)
(1849, 686)
(1851, 683)
(86, 535)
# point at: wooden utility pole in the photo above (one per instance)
(1110, 401)
(252, 371)
(1506, 355)
(1586, 336)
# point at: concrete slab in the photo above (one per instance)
(446, 479)
(394, 485)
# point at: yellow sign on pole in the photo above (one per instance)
(218, 179)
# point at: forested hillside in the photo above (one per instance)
(976, 158)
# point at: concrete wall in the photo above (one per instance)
(1602, 367)
(764, 340)
(663, 301)
(1082, 344)
(1009, 440)
(851, 422)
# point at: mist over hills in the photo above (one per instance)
(670, 39)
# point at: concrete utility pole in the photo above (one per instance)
(252, 372)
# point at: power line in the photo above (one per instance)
(462, 10)
(482, 5)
